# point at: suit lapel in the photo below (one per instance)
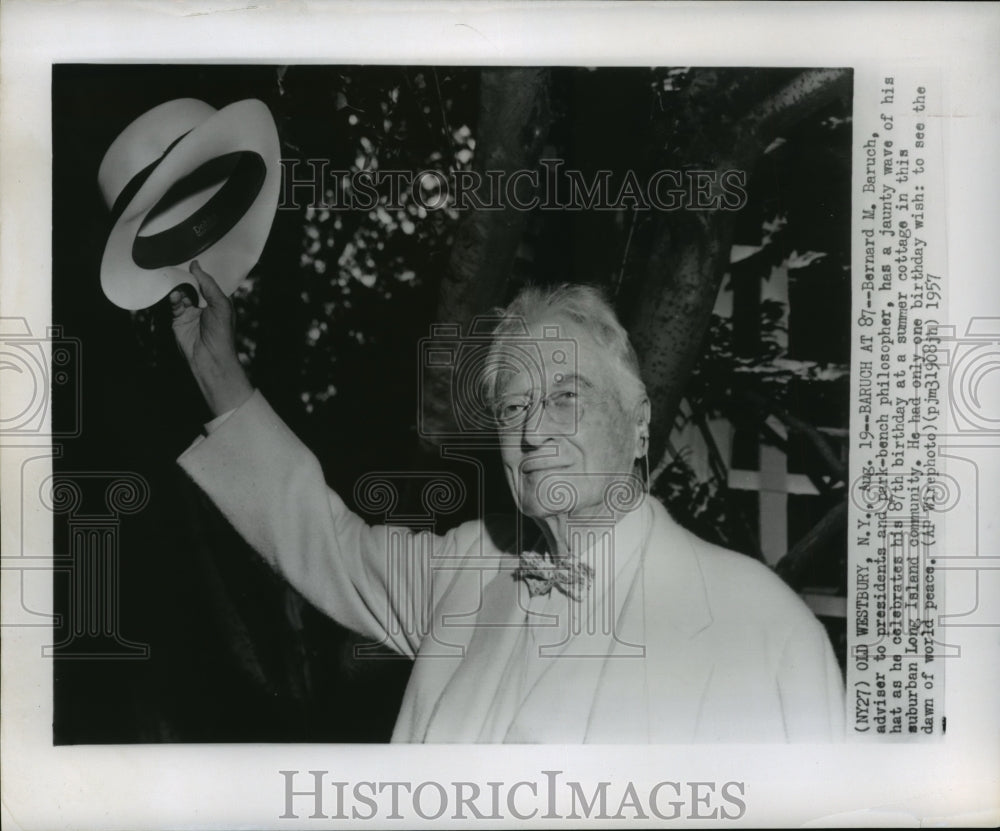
(665, 610)
(466, 698)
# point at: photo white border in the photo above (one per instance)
(953, 781)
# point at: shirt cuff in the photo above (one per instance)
(217, 422)
(210, 427)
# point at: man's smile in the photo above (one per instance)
(542, 465)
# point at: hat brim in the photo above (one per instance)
(128, 278)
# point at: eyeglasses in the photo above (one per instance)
(564, 408)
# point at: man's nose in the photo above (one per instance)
(531, 437)
(539, 428)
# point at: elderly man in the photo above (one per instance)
(613, 624)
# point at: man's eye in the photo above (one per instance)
(566, 398)
(512, 410)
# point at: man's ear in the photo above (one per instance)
(643, 416)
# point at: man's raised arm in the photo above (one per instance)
(271, 488)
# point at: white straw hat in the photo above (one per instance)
(186, 181)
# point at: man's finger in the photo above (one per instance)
(209, 288)
(179, 302)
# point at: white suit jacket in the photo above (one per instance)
(728, 652)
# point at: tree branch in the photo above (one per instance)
(807, 431)
(689, 254)
(791, 568)
(806, 93)
(669, 452)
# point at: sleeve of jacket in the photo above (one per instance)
(811, 686)
(375, 580)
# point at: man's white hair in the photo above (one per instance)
(586, 306)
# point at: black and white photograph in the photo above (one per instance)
(461, 404)
(508, 414)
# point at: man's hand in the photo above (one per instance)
(206, 338)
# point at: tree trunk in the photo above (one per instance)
(689, 251)
(681, 280)
(514, 118)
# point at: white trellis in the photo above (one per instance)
(772, 481)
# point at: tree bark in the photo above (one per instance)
(681, 280)
(514, 119)
(689, 253)
(514, 116)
